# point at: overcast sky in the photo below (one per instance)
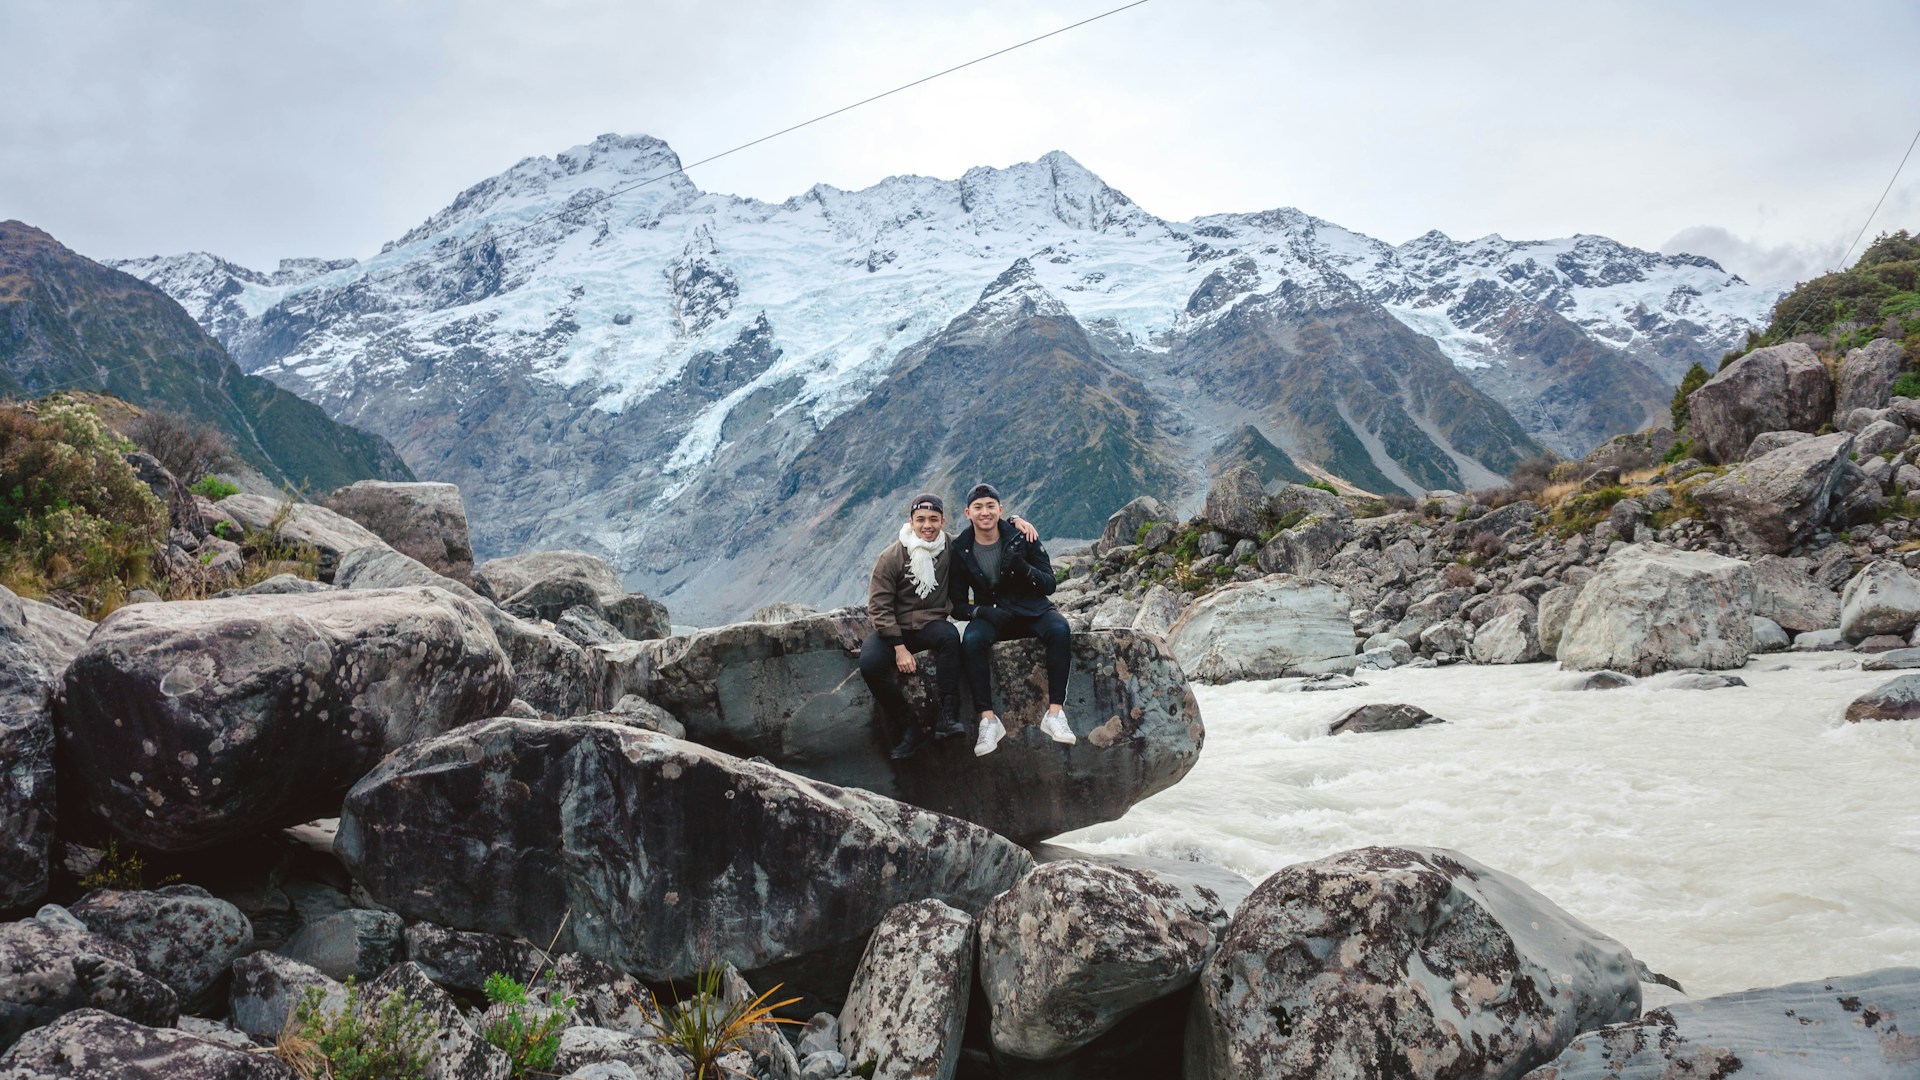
(1757, 133)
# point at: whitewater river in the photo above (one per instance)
(1731, 838)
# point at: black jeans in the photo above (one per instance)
(878, 668)
(1050, 627)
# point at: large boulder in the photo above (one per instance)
(427, 521)
(1235, 502)
(907, 1009)
(357, 943)
(51, 965)
(297, 524)
(1784, 590)
(187, 724)
(1654, 608)
(1866, 377)
(1550, 620)
(1401, 962)
(1305, 547)
(1123, 526)
(1862, 1027)
(1780, 388)
(1883, 598)
(668, 854)
(1265, 629)
(790, 692)
(1512, 636)
(1777, 500)
(1076, 947)
(94, 1045)
(549, 574)
(180, 934)
(36, 643)
(1897, 699)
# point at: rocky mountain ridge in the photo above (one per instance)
(635, 375)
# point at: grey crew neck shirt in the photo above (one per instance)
(988, 556)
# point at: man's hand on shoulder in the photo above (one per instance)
(1024, 527)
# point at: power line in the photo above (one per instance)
(1824, 289)
(746, 145)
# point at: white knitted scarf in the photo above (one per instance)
(920, 556)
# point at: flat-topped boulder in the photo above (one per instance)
(186, 724)
(1862, 1027)
(1267, 629)
(668, 854)
(36, 643)
(330, 534)
(1655, 608)
(790, 692)
(428, 521)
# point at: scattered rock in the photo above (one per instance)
(1856, 1026)
(1655, 608)
(357, 943)
(1701, 681)
(187, 724)
(179, 934)
(1883, 598)
(94, 1045)
(1880, 643)
(1882, 437)
(1898, 699)
(1076, 947)
(581, 1047)
(1785, 591)
(1894, 660)
(1265, 629)
(426, 521)
(1779, 388)
(583, 625)
(329, 534)
(51, 965)
(267, 987)
(1381, 717)
(1598, 680)
(1776, 501)
(1402, 962)
(907, 1009)
(665, 852)
(1235, 501)
(1510, 637)
(1768, 637)
(36, 643)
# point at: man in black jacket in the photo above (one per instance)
(1001, 581)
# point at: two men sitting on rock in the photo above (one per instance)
(997, 579)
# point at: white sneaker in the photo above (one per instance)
(1055, 725)
(991, 732)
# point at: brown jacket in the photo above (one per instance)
(895, 604)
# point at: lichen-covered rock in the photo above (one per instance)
(1123, 525)
(790, 692)
(428, 521)
(461, 960)
(1896, 699)
(1076, 947)
(1160, 608)
(1381, 717)
(908, 1006)
(581, 1047)
(329, 534)
(1861, 1027)
(1775, 502)
(36, 643)
(667, 853)
(183, 725)
(1265, 629)
(1404, 963)
(268, 987)
(180, 934)
(1866, 376)
(640, 618)
(1235, 502)
(1780, 388)
(1654, 608)
(51, 965)
(1883, 598)
(458, 1050)
(94, 1045)
(1305, 547)
(357, 943)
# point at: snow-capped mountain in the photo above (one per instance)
(645, 373)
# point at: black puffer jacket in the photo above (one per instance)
(1026, 578)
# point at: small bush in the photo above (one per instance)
(1694, 379)
(1583, 511)
(214, 488)
(530, 1038)
(187, 448)
(1456, 576)
(1487, 545)
(1907, 385)
(125, 871)
(394, 1043)
(707, 1028)
(1323, 486)
(1532, 476)
(1679, 451)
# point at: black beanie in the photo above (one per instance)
(983, 491)
(927, 500)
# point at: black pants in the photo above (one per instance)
(1050, 627)
(878, 668)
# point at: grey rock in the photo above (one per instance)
(1597, 680)
(1305, 548)
(1856, 1026)
(1655, 608)
(356, 943)
(1340, 967)
(1883, 598)
(268, 987)
(640, 618)
(1124, 524)
(670, 851)
(583, 625)
(179, 934)
(1703, 681)
(549, 575)
(1309, 501)
(769, 1051)
(426, 521)
(1510, 637)
(783, 611)
(1325, 681)
(1076, 947)
(789, 692)
(1785, 591)
(1894, 660)
(1226, 886)
(1776, 501)
(461, 960)
(636, 711)
(1265, 629)
(36, 643)
(1159, 535)
(458, 1050)
(1828, 640)
(1768, 441)
(1380, 717)
(277, 585)
(1882, 437)
(1160, 608)
(1880, 643)
(1392, 654)
(1115, 613)
(822, 1065)
(51, 965)
(581, 1047)
(1906, 479)
(821, 1035)
(1897, 699)
(187, 724)
(1768, 636)
(94, 1045)
(615, 1070)
(1551, 618)
(1780, 388)
(1449, 637)
(907, 1009)
(1857, 500)
(1866, 377)
(1236, 501)
(329, 534)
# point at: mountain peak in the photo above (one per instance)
(632, 155)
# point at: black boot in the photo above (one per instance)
(910, 742)
(949, 723)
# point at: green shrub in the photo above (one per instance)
(1694, 379)
(527, 1034)
(1679, 451)
(1907, 385)
(1323, 486)
(214, 488)
(706, 1028)
(394, 1043)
